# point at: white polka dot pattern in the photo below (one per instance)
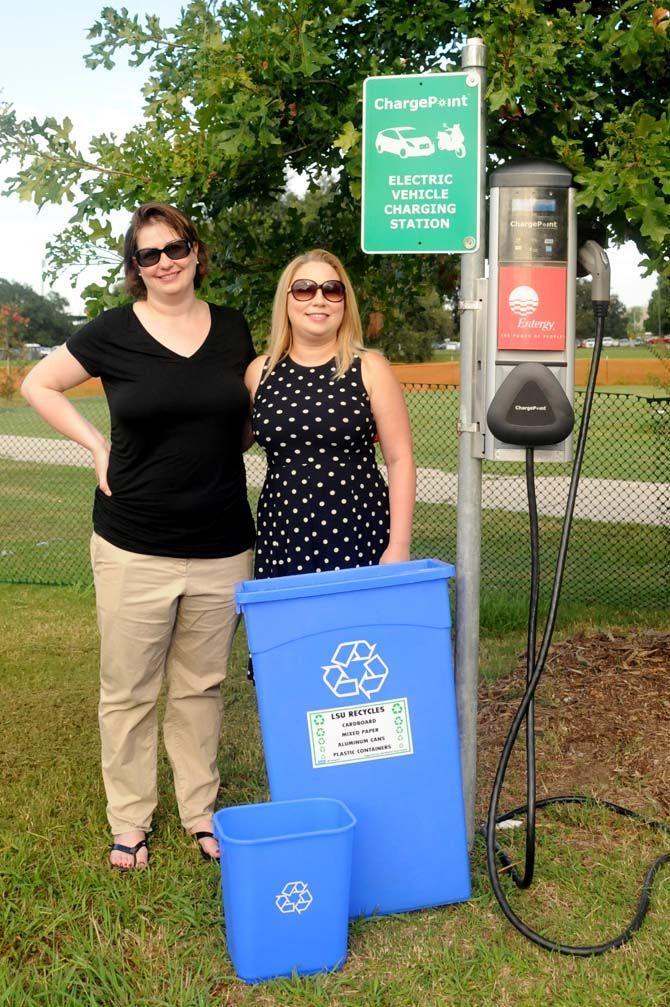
(324, 503)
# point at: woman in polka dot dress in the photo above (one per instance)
(319, 398)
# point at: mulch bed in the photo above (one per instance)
(602, 723)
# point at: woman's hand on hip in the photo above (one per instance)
(101, 461)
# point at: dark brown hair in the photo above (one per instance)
(174, 219)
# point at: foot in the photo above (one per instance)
(202, 832)
(134, 853)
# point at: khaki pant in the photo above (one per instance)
(157, 614)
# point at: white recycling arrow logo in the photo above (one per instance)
(355, 669)
(295, 897)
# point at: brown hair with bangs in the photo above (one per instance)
(179, 223)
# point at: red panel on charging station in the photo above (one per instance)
(531, 307)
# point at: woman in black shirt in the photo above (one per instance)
(173, 532)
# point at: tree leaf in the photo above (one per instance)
(347, 138)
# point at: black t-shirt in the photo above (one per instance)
(176, 470)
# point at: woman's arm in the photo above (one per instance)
(252, 379)
(43, 389)
(395, 438)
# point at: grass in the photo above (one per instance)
(74, 934)
(45, 509)
(627, 437)
(581, 352)
(617, 352)
(615, 564)
(434, 414)
(45, 531)
(647, 391)
(18, 418)
(45, 522)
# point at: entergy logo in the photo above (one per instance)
(523, 301)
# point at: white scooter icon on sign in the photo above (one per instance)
(451, 138)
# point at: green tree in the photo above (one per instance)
(242, 90)
(12, 327)
(636, 317)
(48, 322)
(616, 324)
(658, 323)
(409, 330)
(658, 311)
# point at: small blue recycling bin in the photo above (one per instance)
(355, 688)
(285, 880)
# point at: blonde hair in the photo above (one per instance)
(350, 333)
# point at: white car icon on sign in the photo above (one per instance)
(401, 140)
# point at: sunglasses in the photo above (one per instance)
(174, 250)
(305, 290)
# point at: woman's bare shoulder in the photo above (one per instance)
(374, 364)
(254, 372)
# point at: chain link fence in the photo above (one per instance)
(620, 545)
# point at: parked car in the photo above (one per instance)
(399, 140)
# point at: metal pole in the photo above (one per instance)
(469, 506)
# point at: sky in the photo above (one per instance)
(42, 73)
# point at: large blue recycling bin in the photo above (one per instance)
(285, 880)
(356, 698)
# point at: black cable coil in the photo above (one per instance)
(526, 712)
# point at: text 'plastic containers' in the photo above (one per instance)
(356, 697)
(285, 879)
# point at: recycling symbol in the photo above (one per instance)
(295, 897)
(355, 669)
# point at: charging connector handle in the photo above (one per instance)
(594, 260)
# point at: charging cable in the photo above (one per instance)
(594, 260)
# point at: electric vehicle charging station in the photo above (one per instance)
(531, 293)
(526, 412)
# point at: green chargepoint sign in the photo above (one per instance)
(421, 152)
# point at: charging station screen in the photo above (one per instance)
(533, 206)
(533, 224)
(532, 307)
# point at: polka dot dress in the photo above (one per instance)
(324, 504)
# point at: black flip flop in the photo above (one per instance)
(131, 851)
(203, 853)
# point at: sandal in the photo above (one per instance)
(203, 853)
(131, 851)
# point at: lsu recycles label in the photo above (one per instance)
(359, 733)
